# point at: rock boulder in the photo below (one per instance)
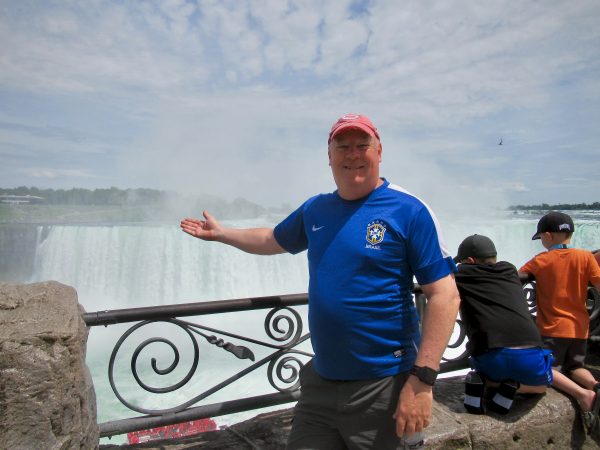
(47, 397)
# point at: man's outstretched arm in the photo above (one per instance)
(413, 412)
(259, 241)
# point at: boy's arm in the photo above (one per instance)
(526, 276)
(526, 272)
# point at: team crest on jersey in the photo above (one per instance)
(375, 234)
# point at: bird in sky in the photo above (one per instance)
(500, 143)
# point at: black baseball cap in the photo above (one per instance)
(475, 246)
(554, 222)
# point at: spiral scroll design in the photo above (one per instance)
(154, 364)
(284, 325)
(529, 289)
(460, 340)
(284, 372)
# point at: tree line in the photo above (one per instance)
(80, 196)
(143, 197)
(558, 206)
(141, 201)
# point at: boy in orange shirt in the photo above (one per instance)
(562, 275)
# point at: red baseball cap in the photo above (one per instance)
(353, 121)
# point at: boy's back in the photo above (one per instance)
(504, 343)
(493, 307)
(562, 277)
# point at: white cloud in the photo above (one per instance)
(443, 81)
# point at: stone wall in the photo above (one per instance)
(47, 398)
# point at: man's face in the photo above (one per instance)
(354, 157)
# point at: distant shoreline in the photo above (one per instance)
(560, 206)
(142, 197)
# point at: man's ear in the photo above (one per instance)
(471, 260)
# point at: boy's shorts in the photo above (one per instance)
(569, 353)
(528, 366)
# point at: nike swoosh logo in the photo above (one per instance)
(316, 228)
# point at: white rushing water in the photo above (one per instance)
(114, 267)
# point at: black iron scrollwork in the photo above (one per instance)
(282, 325)
(285, 362)
(292, 325)
(239, 351)
(154, 364)
(529, 289)
(458, 342)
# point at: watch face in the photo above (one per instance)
(426, 374)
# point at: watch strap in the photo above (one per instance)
(425, 374)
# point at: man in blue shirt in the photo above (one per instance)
(370, 381)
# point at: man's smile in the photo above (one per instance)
(347, 167)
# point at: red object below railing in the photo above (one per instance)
(177, 430)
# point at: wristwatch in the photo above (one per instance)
(426, 374)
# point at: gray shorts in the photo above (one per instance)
(356, 414)
(569, 353)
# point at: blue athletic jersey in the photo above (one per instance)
(362, 257)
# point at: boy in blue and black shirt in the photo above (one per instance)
(503, 340)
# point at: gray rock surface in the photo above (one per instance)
(47, 398)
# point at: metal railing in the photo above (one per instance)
(284, 335)
(283, 327)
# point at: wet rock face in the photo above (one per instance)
(47, 398)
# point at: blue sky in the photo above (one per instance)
(235, 98)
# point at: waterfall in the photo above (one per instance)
(130, 266)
